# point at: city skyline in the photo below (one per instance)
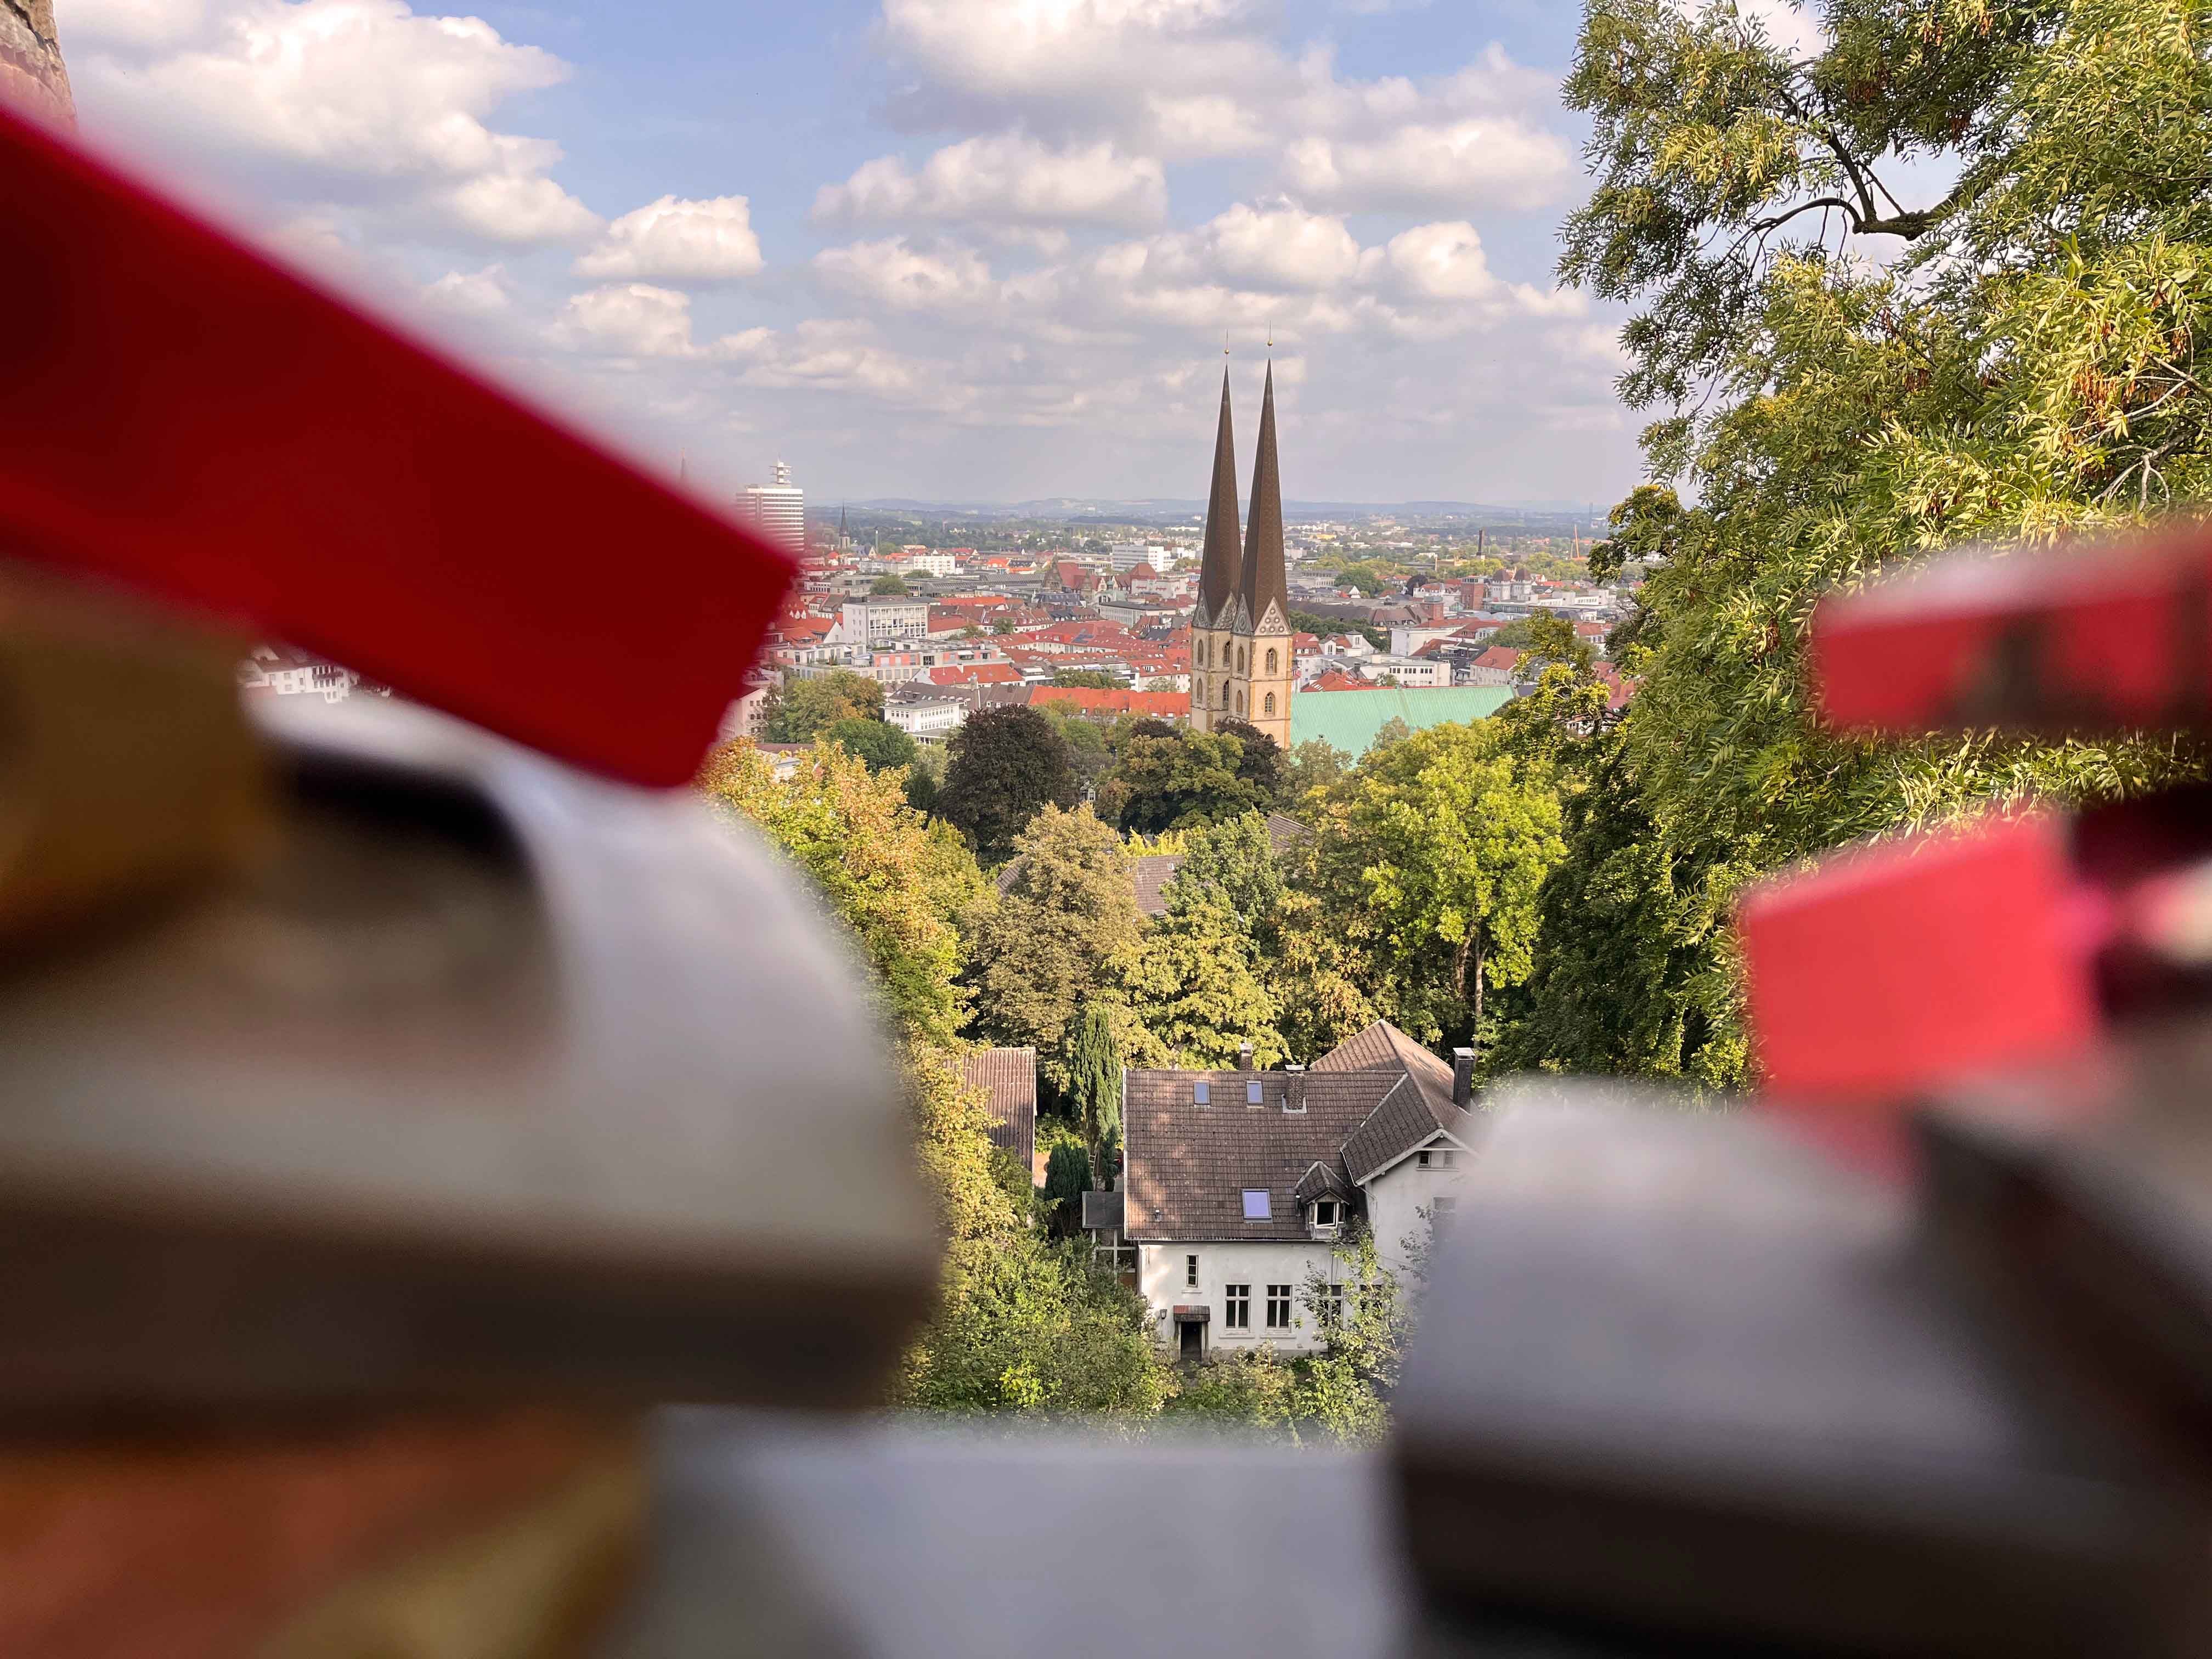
(932, 248)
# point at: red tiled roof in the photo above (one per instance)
(1090, 700)
(1337, 680)
(1499, 656)
(976, 673)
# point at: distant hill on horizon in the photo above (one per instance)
(1169, 510)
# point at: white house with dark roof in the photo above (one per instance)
(1237, 1185)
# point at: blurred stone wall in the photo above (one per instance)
(31, 72)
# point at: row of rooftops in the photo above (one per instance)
(1197, 1145)
(1196, 1142)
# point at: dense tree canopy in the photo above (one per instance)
(800, 710)
(1005, 765)
(1052, 944)
(882, 746)
(1167, 777)
(2029, 369)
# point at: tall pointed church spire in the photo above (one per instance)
(1261, 579)
(1218, 565)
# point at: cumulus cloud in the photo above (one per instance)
(899, 278)
(1484, 162)
(486, 293)
(350, 100)
(1786, 26)
(1028, 49)
(628, 319)
(1006, 178)
(678, 241)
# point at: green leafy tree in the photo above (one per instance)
(1169, 777)
(1090, 747)
(1024, 1324)
(2028, 373)
(1094, 1090)
(800, 710)
(1316, 763)
(892, 586)
(900, 884)
(1196, 990)
(1433, 862)
(1090, 679)
(1005, 766)
(1050, 945)
(882, 746)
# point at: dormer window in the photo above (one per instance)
(1325, 1211)
(1202, 1093)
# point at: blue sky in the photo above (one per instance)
(939, 248)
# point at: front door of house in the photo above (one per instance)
(1193, 1345)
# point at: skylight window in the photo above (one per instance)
(1252, 1094)
(1201, 1092)
(1256, 1206)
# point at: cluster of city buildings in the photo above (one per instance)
(1202, 628)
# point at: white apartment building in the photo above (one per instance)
(777, 510)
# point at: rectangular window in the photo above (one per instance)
(1190, 1273)
(1252, 1094)
(1445, 1160)
(1199, 1092)
(1237, 1314)
(1325, 1212)
(1442, 1211)
(1278, 1307)
(1256, 1204)
(1332, 1306)
(1421, 1159)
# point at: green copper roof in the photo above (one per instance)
(1350, 720)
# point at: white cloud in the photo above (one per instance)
(1278, 246)
(1006, 179)
(132, 22)
(950, 282)
(676, 241)
(363, 101)
(1786, 26)
(1494, 162)
(475, 294)
(1029, 48)
(628, 319)
(838, 355)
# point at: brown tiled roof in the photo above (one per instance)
(1406, 1117)
(1285, 832)
(1007, 1077)
(1188, 1166)
(1154, 871)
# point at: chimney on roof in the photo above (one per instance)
(1244, 1057)
(1462, 1076)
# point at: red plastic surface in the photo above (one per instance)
(180, 415)
(1896, 967)
(2072, 642)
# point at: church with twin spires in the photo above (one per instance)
(1240, 634)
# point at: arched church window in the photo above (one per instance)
(1201, 653)
(1239, 703)
(1271, 669)
(1271, 695)
(1240, 659)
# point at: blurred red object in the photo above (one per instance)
(2094, 641)
(183, 416)
(1897, 967)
